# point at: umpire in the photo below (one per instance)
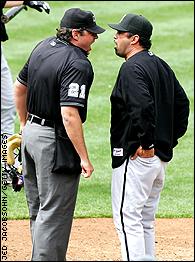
(52, 90)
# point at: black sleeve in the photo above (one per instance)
(75, 84)
(2, 4)
(140, 104)
(3, 36)
(23, 75)
(181, 109)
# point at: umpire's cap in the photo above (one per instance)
(76, 18)
(135, 24)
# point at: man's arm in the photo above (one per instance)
(181, 111)
(38, 5)
(20, 94)
(13, 3)
(73, 125)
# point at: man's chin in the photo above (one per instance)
(88, 51)
(117, 53)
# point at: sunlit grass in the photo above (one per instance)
(172, 40)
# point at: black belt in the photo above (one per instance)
(40, 121)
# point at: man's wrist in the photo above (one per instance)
(147, 152)
(148, 147)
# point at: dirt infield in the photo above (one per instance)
(96, 240)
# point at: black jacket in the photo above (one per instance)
(148, 106)
(4, 35)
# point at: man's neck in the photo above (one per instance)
(133, 52)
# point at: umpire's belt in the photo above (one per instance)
(40, 121)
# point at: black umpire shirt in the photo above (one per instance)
(148, 107)
(56, 74)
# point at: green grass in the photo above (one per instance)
(172, 40)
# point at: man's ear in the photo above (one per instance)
(75, 34)
(135, 39)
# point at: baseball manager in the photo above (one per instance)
(149, 113)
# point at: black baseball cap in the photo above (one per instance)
(76, 18)
(135, 24)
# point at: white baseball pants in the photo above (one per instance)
(136, 187)
(8, 111)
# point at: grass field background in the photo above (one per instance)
(172, 40)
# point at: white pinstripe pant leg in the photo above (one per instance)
(136, 187)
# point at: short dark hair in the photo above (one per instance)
(144, 42)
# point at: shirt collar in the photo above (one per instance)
(69, 43)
